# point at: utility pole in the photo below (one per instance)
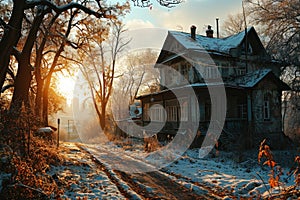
(246, 38)
(249, 95)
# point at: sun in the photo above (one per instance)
(65, 86)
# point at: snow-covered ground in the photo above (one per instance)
(243, 177)
(80, 178)
(238, 177)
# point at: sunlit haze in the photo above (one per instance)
(65, 86)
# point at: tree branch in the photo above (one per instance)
(60, 9)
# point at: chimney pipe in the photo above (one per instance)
(217, 19)
(209, 32)
(193, 32)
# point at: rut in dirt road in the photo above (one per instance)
(158, 186)
(149, 185)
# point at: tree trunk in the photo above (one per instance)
(45, 100)
(102, 116)
(38, 97)
(11, 37)
(22, 85)
(23, 78)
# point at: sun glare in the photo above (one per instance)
(65, 86)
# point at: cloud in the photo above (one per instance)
(138, 24)
(196, 12)
(143, 38)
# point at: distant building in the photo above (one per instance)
(249, 75)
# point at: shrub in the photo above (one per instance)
(29, 178)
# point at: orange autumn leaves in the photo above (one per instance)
(265, 152)
(275, 171)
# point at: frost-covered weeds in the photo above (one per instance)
(28, 178)
(275, 181)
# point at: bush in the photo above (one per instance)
(29, 178)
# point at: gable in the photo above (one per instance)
(180, 42)
(254, 43)
(171, 49)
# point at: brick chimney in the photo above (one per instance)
(193, 32)
(209, 32)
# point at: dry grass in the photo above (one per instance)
(151, 144)
(29, 178)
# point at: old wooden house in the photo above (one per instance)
(239, 64)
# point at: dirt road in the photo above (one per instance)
(148, 185)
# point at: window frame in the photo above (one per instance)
(266, 108)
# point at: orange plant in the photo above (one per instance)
(276, 171)
(297, 171)
(265, 152)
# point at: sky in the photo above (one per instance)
(148, 27)
(191, 12)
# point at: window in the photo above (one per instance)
(266, 108)
(211, 72)
(172, 113)
(207, 110)
(225, 71)
(172, 109)
(249, 48)
(242, 111)
(157, 113)
(240, 71)
(184, 70)
(184, 112)
(153, 113)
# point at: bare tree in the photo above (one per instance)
(279, 23)
(139, 75)
(11, 39)
(233, 24)
(149, 3)
(100, 71)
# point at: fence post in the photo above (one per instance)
(58, 123)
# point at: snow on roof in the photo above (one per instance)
(249, 80)
(222, 45)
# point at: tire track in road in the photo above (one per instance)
(161, 186)
(121, 187)
(149, 185)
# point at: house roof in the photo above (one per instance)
(229, 46)
(251, 79)
(184, 87)
(246, 81)
(221, 45)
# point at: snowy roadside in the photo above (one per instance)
(241, 179)
(81, 178)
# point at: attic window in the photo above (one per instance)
(241, 71)
(184, 70)
(249, 49)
